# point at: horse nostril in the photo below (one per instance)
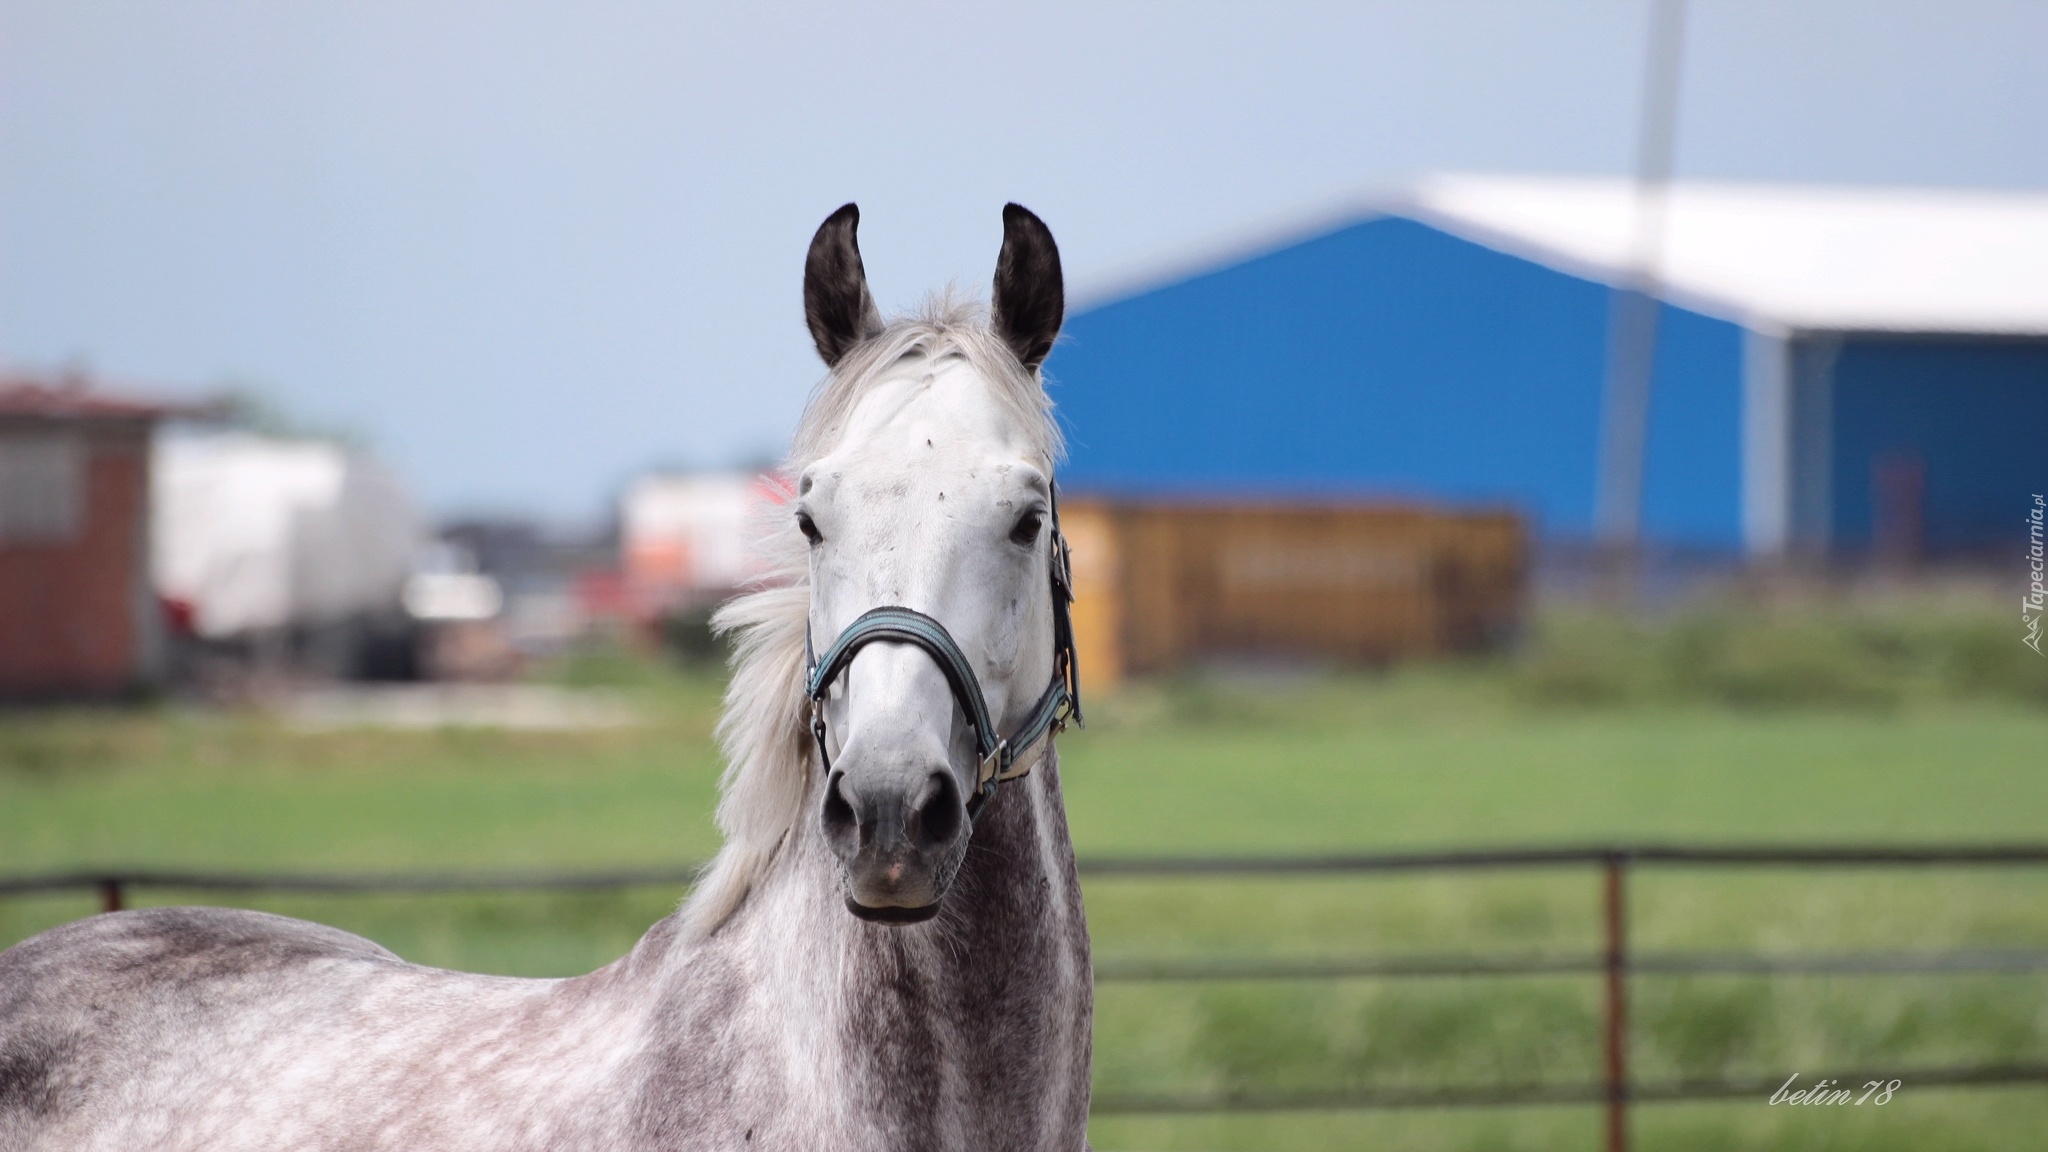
(940, 812)
(842, 825)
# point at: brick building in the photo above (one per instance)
(78, 616)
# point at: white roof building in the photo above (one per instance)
(1799, 258)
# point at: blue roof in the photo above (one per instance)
(1388, 359)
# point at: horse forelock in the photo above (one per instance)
(762, 729)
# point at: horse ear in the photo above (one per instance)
(837, 306)
(1030, 296)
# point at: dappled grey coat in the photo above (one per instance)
(795, 1026)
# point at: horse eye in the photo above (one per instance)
(1026, 531)
(805, 525)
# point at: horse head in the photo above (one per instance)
(935, 568)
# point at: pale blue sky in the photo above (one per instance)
(530, 248)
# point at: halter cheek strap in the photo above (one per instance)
(998, 757)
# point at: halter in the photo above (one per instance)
(998, 757)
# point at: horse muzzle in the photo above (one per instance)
(899, 839)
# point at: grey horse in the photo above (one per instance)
(889, 952)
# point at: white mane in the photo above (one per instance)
(764, 730)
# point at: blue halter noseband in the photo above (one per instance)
(998, 757)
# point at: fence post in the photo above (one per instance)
(110, 894)
(1614, 892)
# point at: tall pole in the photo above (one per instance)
(1632, 306)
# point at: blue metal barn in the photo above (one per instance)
(1834, 368)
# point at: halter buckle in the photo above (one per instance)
(991, 768)
(818, 732)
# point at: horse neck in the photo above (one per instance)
(1013, 882)
(969, 1029)
(1010, 944)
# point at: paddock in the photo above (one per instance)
(1620, 971)
(1243, 987)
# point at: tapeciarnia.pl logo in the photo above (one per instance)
(2036, 599)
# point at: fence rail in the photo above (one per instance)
(1524, 1095)
(2017, 960)
(1614, 962)
(1141, 867)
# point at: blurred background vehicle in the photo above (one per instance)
(277, 551)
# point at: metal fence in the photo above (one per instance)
(1615, 962)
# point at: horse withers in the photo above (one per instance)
(888, 952)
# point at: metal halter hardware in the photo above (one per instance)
(997, 756)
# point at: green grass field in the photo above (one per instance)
(1544, 752)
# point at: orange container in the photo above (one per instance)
(1159, 585)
